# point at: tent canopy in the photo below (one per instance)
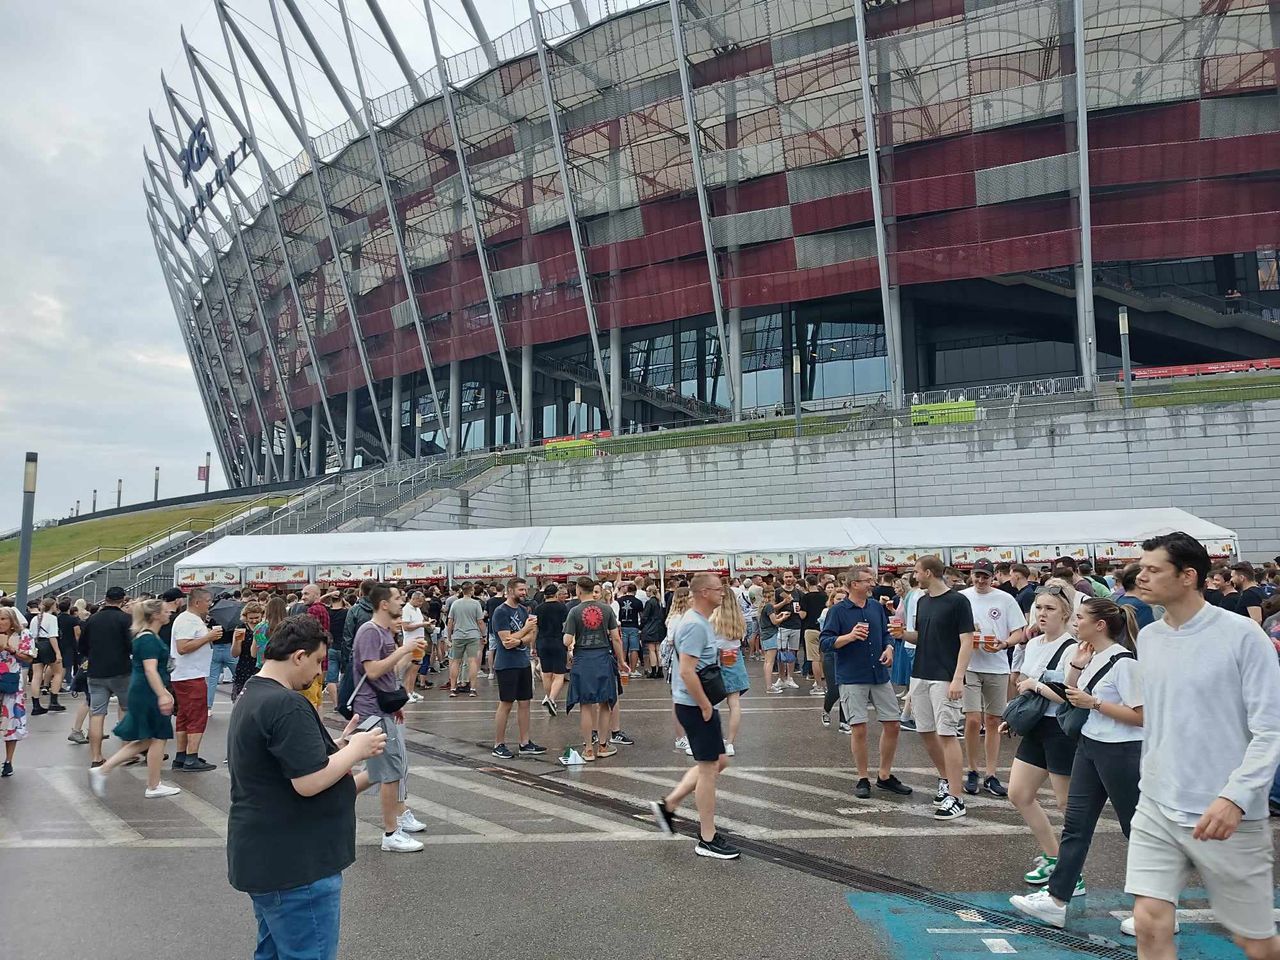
(728, 537)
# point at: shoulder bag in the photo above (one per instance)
(1028, 709)
(1072, 718)
(712, 680)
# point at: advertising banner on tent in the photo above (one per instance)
(1221, 549)
(336, 575)
(557, 568)
(1124, 551)
(494, 569)
(417, 571)
(829, 561)
(219, 577)
(267, 577)
(1043, 554)
(626, 567)
(963, 558)
(765, 562)
(900, 558)
(678, 563)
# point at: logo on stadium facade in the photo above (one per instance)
(194, 156)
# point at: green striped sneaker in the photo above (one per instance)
(1079, 891)
(1041, 871)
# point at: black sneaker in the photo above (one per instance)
(826, 719)
(952, 809)
(550, 705)
(995, 787)
(6, 770)
(664, 818)
(620, 737)
(893, 785)
(718, 848)
(502, 752)
(56, 707)
(863, 789)
(971, 782)
(531, 748)
(38, 710)
(197, 765)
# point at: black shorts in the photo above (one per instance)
(554, 657)
(515, 684)
(705, 738)
(44, 652)
(1048, 748)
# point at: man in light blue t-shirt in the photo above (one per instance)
(696, 647)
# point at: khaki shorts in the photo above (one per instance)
(986, 692)
(933, 712)
(811, 648)
(1236, 872)
(856, 697)
(464, 650)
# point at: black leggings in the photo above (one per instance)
(1101, 772)
(833, 688)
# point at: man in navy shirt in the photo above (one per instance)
(857, 629)
(516, 629)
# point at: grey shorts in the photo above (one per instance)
(101, 690)
(788, 639)
(1236, 872)
(986, 692)
(392, 765)
(933, 710)
(856, 697)
(464, 649)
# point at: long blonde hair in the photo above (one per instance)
(680, 600)
(727, 619)
(144, 611)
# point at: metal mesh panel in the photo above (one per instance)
(1030, 178)
(516, 280)
(829, 180)
(825, 249)
(752, 226)
(812, 40)
(732, 166)
(616, 227)
(1239, 116)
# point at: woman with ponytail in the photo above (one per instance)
(1102, 678)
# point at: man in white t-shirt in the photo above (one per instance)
(998, 625)
(414, 620)
(192, 658)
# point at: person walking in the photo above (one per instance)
(696, 647)
(148, 726)
(292, 824)
(730, 627)
(1102, 678)
(551, 614)
(17, 650)
(107, 641)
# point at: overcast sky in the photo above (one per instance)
(97, 379)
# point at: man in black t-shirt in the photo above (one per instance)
(812, 602)
(1245, 579)
(552, 655)
(629, 607)
(944, 644)
(106, 641)
(790, 630)
(291, 827)
(490, 608)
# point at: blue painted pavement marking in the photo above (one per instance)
(916, 931)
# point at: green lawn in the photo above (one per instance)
(57, 546)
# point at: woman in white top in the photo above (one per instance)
(47, 671)
(1103, 678)
(1044, 753)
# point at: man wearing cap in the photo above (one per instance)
(998, 625)
(106, 641)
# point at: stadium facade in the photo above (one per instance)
(618, 216)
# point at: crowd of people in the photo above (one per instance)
(1095, 671)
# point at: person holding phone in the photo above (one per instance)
(291, 828)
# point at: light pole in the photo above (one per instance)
(119, 492)
(94, 508)
(207, 462)
(795, 390)
(1126, 364)
(155, 495)
(28, 518)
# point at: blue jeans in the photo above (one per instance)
(1275, 788)
(630, 639)
(300, 923)
(221, 658)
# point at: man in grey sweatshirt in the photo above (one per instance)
(1212, 720)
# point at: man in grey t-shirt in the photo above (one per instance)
(466, 630)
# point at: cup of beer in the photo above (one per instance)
(990, 643)
(896, 627)
(728, 656)
(624, 676)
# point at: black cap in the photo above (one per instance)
(172, 595)
(984, 566)
(115, 594)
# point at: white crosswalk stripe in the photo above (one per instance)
(75, 791)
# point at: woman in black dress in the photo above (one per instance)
(242, 647)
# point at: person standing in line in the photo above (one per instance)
(812, 603)
(107, 643)
(770, 617)
(375, 659)
(857, 631)
(17, 650)
(998, 626)
(629, 608)
(594, 642)
(697, 648)
(69, 644)
(242, 647)
(1128, 580)
(1204, 784)
(291, 827)
(653, 630)
(466, 631)
(1245, 579)
(832, 698)
(1102, 678)
(415, 629)
(551, 614)
(790, 628)
(148, 726)
(190, 649)
(944, 644)
(517, 630)
(46, 671)
(496, 599)
(730, 628)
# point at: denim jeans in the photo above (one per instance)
(221, 658)
(300, 923)
(1275, 788)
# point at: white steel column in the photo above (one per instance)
(349, 435)
(615, 378)
(455, 407)
(318, 460)
(397, 400)
(526, 393)
(1086, 336)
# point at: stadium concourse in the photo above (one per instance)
(971, 834)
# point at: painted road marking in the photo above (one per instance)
(213, 818)
(105, 823)
(998, 945)
(1185, 916)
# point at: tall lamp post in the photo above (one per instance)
(795, 390)
(1126, 364)
(28, 519)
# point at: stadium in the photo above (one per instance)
(626, 216)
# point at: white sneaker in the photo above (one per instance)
(164, 790)
(792, 684)
(1127, 927)
(408, 823)
(1043, 907)
(416, 698)
(97, 782)
(400, 842)
(775, 687)
(729, 751)
(817, 691)
(682, 743)
(688, 751)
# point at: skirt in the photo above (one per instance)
(144, 721)
(593, 679)
(735, 677)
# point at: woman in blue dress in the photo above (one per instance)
(148, 726)
(731, 629)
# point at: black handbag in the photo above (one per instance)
(712, 681)
(1072, 718)
(1027, 709)
(389, 701)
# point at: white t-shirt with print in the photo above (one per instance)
(999, 615)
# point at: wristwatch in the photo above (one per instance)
(1097, 703)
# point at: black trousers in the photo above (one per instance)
(1101, 772)
(833, 688)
